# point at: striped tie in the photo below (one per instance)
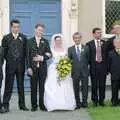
(98, 52)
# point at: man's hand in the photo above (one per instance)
(48, 54)
(38, 58)
(30, 71)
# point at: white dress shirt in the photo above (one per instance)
(80, 47)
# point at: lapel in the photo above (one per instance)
(18, 37)
(93, 47)
(34, 42)
(40, 44)
(74, 51)
(11, 36)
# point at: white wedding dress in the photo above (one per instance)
(58, 95)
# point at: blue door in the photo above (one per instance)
(31, 12)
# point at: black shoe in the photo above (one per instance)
(24, 108)
(102, 104)
(78, 106)
(1, 110)
(5, 109)
(85, 105)
(114, 104)
(43, 108)
(34, 109)
(95, 104)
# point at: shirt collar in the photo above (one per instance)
(37, 38)
(96, 40)
(78, 46)
(15, 35)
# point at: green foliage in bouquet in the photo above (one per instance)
(64, 67)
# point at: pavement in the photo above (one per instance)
(16, 114)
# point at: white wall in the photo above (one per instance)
(90, 16)
(4, 27)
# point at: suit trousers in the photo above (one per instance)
(14, 68)
(84, 89)
(115, 90)
(1, 77)
(38, 78)
(98, 84)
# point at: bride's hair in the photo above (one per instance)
(54, 37)
(57, 37)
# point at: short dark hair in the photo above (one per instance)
(14, 21)
(95, 29)
(39, 25)
(77, 33)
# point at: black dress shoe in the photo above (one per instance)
(95, 104)
(1, 110)
(85, 105)
(102, 104)
(114, 104)
(43, 108)
(24, 108)
(78, 107)
(34, 109)
(5, 109)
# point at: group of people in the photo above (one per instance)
(96, 59)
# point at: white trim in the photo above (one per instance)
(103, 17)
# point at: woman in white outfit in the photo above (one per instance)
(58, 95)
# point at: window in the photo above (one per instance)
(112, 14)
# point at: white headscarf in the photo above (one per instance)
(53, 40)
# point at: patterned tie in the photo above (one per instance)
(78, 53)
(98, 52)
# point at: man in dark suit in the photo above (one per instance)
(14, 45)
(1, 73)
(98, 67)
(116, 32)
(79, 56)
(38, 52)
(114, 69)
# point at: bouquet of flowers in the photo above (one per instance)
(64, 67)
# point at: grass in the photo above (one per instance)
(104, 113)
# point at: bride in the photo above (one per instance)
(58, 96)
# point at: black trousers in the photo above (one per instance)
(98, 84)
(115, 91)
(84, 89)
(38, 78)
(14, 68)
(1, 78)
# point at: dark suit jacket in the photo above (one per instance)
(92, 57)
(114, 65)
(33, 50)
(109, 44)
(6, 42)
(79, 68)
(1, 64)
(1, 56)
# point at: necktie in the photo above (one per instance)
(98, 52)
(78, 53)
